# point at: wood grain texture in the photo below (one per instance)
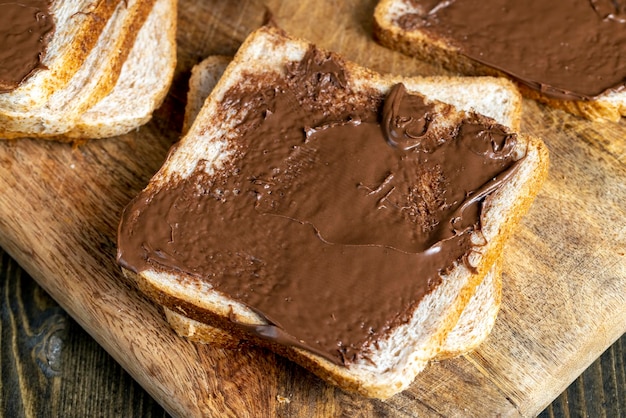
(88, 382)
(564, 296)
(599, 392)
(50, 367)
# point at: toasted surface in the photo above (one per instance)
(608, 106)
(395, 360)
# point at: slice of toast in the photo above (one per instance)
(444, 51)
(95, 101)
(390, 362)
(475, 322)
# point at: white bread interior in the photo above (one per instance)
(143, 83)
(477, 319)
(204, 77)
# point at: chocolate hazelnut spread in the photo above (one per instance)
(25, 30)
(337, 213)
(567, 49)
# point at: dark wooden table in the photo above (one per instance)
(51, 367)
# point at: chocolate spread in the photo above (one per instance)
(337, 214)
(567, 49)
(25, 30)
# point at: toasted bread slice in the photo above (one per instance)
(392, 361)
(95, 102)
(610, 106)
(473, 326)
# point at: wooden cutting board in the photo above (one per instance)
(564, 296)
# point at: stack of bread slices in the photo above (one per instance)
(452, 319)
(107, 66)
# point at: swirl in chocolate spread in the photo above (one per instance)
(405, 122)
(335, 217)
(610, 9)
(26, 27)
(567, 49)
